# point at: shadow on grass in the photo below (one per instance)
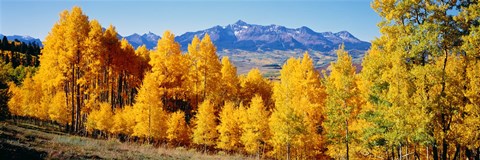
(12, 151)
(25, 142)
(8, 151)
(47, 128)
(11, 147)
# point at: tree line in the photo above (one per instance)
(416, 97)
(17, 60)
(19, 53)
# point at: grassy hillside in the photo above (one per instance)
(26, 141)
(270, 62)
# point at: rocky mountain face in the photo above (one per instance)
(251, 37)
(148, 39)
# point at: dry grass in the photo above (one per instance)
(245, 60)
(26, 141)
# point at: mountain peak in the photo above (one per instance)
(148, 39)
(135, 35)
(253, 37)
(346, 35)
(149, 34)
(241, 23)
(306, 29)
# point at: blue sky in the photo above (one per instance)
(36, 17)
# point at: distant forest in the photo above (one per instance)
(19, 53)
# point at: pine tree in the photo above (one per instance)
(5, 45)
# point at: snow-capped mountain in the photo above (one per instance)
(26, 39)
(149, 39)
(251, 37)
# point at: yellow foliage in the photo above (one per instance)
(59, 111)
(205, 132)
(29, 99)
(123, 121)
(92, 118)
(170, 68)
(205, 71)
(230, 84)
(229, 128)
(419, 88)
(143, 65)
(15, 102)
(100, 119)
(415, 80)
(255, 126)
(178, 131)
(297, 115)
(343, 105)
(104, 118)
(150, 117)
(253, 84)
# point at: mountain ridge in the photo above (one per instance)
(23, 38)
(253, 38)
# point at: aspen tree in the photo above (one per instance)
(229, 128)
(205, 130)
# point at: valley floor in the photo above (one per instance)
(27, 141)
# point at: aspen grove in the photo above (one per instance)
(417, 95)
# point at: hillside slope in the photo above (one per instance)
(26, 141)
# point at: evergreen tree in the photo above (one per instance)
(5, 43)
